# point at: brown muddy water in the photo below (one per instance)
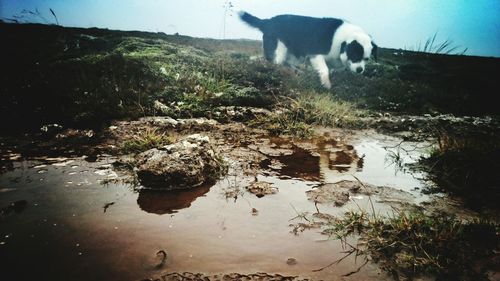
(61, 222)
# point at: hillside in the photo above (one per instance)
(84, 77)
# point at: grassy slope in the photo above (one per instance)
(84, 77)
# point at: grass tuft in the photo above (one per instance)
(325, 110)
(410, 244)
(445, 47)
(144, 140)
(297, 117)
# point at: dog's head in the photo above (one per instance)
(355, 52)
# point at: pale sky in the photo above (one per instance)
(474, 24)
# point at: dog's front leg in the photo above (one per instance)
(319, 64)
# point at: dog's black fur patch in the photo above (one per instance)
(355, 51)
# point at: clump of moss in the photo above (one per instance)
(410, 244)
(145, 140)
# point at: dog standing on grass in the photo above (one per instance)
(288, 38)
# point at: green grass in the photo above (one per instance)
(297, 117)
(145, 140)
(325, 110)
(280, 123)
(410, 244)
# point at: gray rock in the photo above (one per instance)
(162, 108)
(160, 121)
(197, 124)
(188, 163)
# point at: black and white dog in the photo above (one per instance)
(289, 38)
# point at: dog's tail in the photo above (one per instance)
(252, 20)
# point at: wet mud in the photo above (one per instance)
(69, 218)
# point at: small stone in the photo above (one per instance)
(262, 188)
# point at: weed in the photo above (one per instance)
(30, 16)
(54, 15)
(220, 170)
(228, 8)
(445, 47)
(144, 140)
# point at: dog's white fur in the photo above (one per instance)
(281, 53)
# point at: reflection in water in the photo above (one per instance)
(16, 207)
(168, 201)
(311, 164)
(329, 161)
(300, 164)
(63, 234)
(340, 161)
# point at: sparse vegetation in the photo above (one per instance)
(411, 244)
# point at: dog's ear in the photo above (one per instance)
(374, 50)
(342, 47)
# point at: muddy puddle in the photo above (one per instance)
(68, 219)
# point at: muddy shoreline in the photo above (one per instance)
(290, 167)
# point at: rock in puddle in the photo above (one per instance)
(262, 188)
(188, 163)
(339, 193)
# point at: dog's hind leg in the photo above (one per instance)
(319, 64)
(280, 55)
(270, 44)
